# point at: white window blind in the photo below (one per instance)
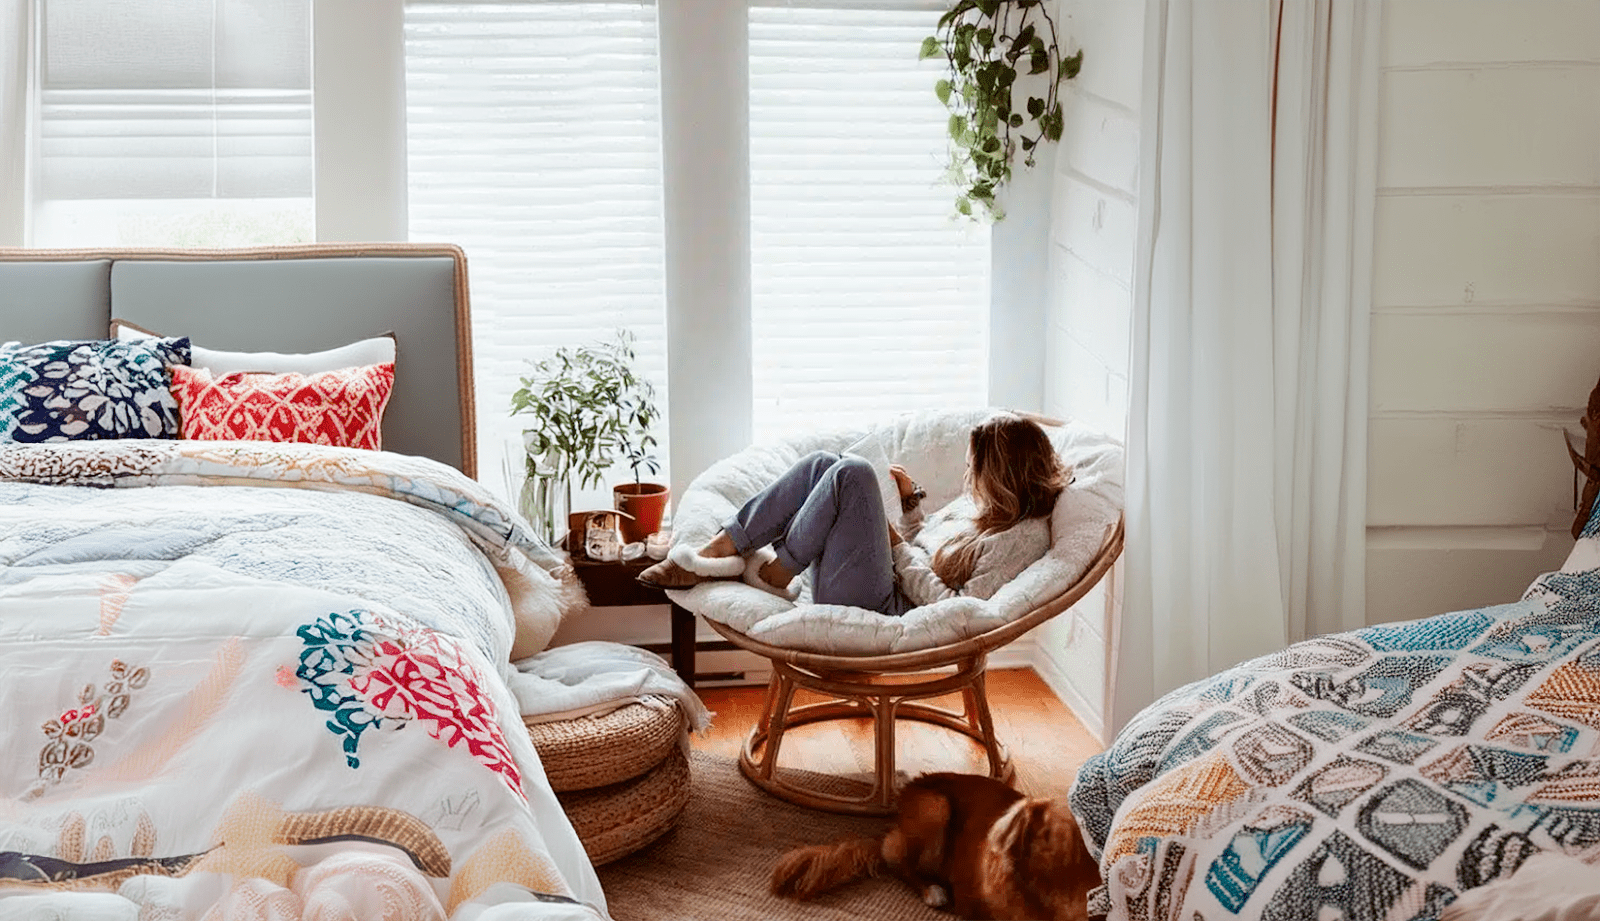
(534, 142)
(185, 122)
(868, 298)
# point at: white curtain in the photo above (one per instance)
(1248, 398)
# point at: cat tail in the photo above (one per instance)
(809, 871)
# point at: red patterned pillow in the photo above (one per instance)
(342, 408)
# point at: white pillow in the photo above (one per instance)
(375, 351)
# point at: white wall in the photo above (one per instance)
(1089, 315)
(1486, 296)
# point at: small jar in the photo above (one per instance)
(601, 540)
(657, 544)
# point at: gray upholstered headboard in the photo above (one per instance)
(280, 299)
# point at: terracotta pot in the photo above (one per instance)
(646, 502)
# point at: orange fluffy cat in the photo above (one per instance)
(970, 845)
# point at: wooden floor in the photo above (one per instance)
(1047, 743)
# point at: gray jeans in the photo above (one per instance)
(825, 514)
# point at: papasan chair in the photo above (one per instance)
(872, 665)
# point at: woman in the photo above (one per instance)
(826, 514)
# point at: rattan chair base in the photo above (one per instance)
(593, 752)
(857, 696)
(614, 821)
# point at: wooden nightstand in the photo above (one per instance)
(617, 585)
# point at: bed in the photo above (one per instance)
(1374, 774)
(247, 679)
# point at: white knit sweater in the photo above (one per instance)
(1002, 556)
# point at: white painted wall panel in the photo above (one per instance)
(1486, 332)
(1075, 667)
(1111, 34)
(1485, 361)
(1407, 584)
(1487, 249)
(1096, 227)
(1096, 309)
(1481, 128)
(1080, 386)
(1094, 208)
(1466, 471)
(1422, 32)
(1100, 141)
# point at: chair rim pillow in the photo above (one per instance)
(937, 438)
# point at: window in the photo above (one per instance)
(185, 123)
(867, 298)
(534, 133)
(534, 142)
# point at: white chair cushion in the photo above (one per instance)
(933, 447)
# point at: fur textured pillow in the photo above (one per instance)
(343, 408)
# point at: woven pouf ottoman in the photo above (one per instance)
(622, 778)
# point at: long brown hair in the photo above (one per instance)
(1013, 474)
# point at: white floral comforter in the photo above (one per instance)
(226, 700)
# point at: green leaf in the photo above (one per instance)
(1071, 66)
(942, 90)
(964, 205)
(1038, 62)
(1015, 121)
(1020, 43)
(1052, 123)
(957, 127)
(989, 7)
(1035, 106)
(955, 12)
(985, 38)
(930, 48)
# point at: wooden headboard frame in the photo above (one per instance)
(462, 320)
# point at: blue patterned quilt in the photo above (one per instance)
(1374, 774)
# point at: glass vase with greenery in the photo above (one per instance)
(588, 406)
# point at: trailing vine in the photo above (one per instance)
(985, 43)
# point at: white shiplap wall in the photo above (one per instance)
(1486, 297)
(1090, 312)
(1486, 326)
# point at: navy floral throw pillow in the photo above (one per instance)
(89, 389)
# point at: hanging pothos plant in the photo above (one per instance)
(988, 43)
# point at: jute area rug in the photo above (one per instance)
(714, 865)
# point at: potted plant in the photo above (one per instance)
(588, 407)
(989, 44)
